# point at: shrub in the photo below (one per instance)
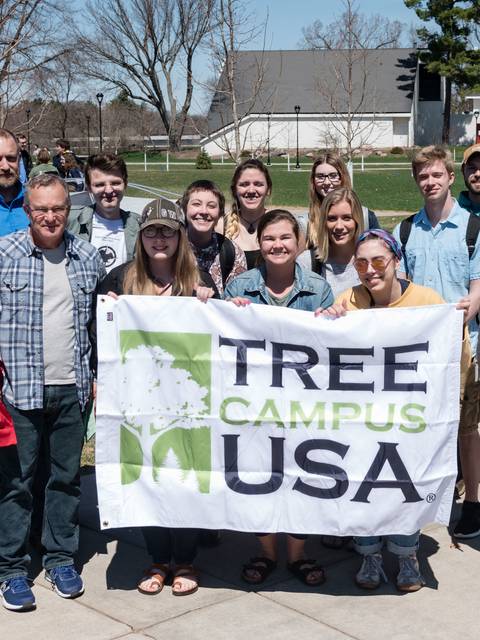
(203, 160)
(397, 151)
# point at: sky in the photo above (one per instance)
(286, 18)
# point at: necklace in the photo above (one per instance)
(160, 283)
(251, 224)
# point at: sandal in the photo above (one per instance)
(262, 565)
(187, 572)
(305, 568)
(156, 574)
(335, 542)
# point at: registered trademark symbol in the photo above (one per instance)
(430, 497)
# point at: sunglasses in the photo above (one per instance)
(159, 230)
(379, 264)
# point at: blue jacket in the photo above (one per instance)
(12, 215)
(310, 291)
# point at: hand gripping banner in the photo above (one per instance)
(269, 419)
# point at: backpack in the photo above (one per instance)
(471, 235)
(227, 256)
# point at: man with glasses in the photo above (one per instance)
(49, 280)
(436, 254)
(12, 215)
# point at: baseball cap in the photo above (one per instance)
(475, 148)
(162, 211)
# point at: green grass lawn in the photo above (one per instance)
(383, 189)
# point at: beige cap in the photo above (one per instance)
(164, 212)
(475, 148)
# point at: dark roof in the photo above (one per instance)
(382, 80)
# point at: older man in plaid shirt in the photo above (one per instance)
(48, 283)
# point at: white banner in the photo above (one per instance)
(267, 419)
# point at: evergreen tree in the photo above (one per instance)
(449, 50)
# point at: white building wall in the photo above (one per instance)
(313, 132)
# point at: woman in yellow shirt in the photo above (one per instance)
(377, 257)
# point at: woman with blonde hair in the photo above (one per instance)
(164, 265)
(251, 185)
(329, 172)
(338, 224)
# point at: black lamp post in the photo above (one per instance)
(269, 113)
(28, 112)
(100, 99)
(476, 113)
(88, 135)
(297, 111)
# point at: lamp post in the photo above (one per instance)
(297, 111)
(100, 99)
(269, 113)
(28, 113)
(88, 135)
(476, 113)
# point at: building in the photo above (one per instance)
(361, 98)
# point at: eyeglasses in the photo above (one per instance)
(41, 212)
(321, 177)
(379, 264)
(159, 230)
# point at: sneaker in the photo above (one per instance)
(469, 524)
(371, 572)
(65, 581)
(409, 577)
(17, 595)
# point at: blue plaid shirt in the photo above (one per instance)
(21, 314)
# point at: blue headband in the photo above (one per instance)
(389, 240)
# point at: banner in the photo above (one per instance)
(267, 419)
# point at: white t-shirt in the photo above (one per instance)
(109, 238)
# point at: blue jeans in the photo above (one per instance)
(397, 544)
(61, 424)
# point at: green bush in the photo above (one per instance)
(397, 151)
(203, 160)
(245, 154)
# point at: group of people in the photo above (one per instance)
(64, 163)
(55, 260)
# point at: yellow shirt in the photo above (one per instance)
(414, 296)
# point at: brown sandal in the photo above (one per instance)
(184, 571)
(157, 573)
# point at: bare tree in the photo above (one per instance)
(232, 100)
(28, 39)
(354, 30)
(349, 87)
(138, 46)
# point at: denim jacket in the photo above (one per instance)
(310, 291)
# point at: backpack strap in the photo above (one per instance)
(471, 234)
(405, 229)
(317, 265)
(227, 256)
(366, 220)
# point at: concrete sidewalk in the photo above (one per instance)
(226, 608)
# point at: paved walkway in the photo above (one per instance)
(225, 608)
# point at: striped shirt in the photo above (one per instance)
(21, 314)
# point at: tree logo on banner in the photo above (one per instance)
(174, 436)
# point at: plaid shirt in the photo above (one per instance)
(21, 314)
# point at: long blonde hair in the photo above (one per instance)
(138, 281)
(336, 196)
(232, 220)
(316, 199)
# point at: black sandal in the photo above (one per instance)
(262, 565)
(304, 568)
